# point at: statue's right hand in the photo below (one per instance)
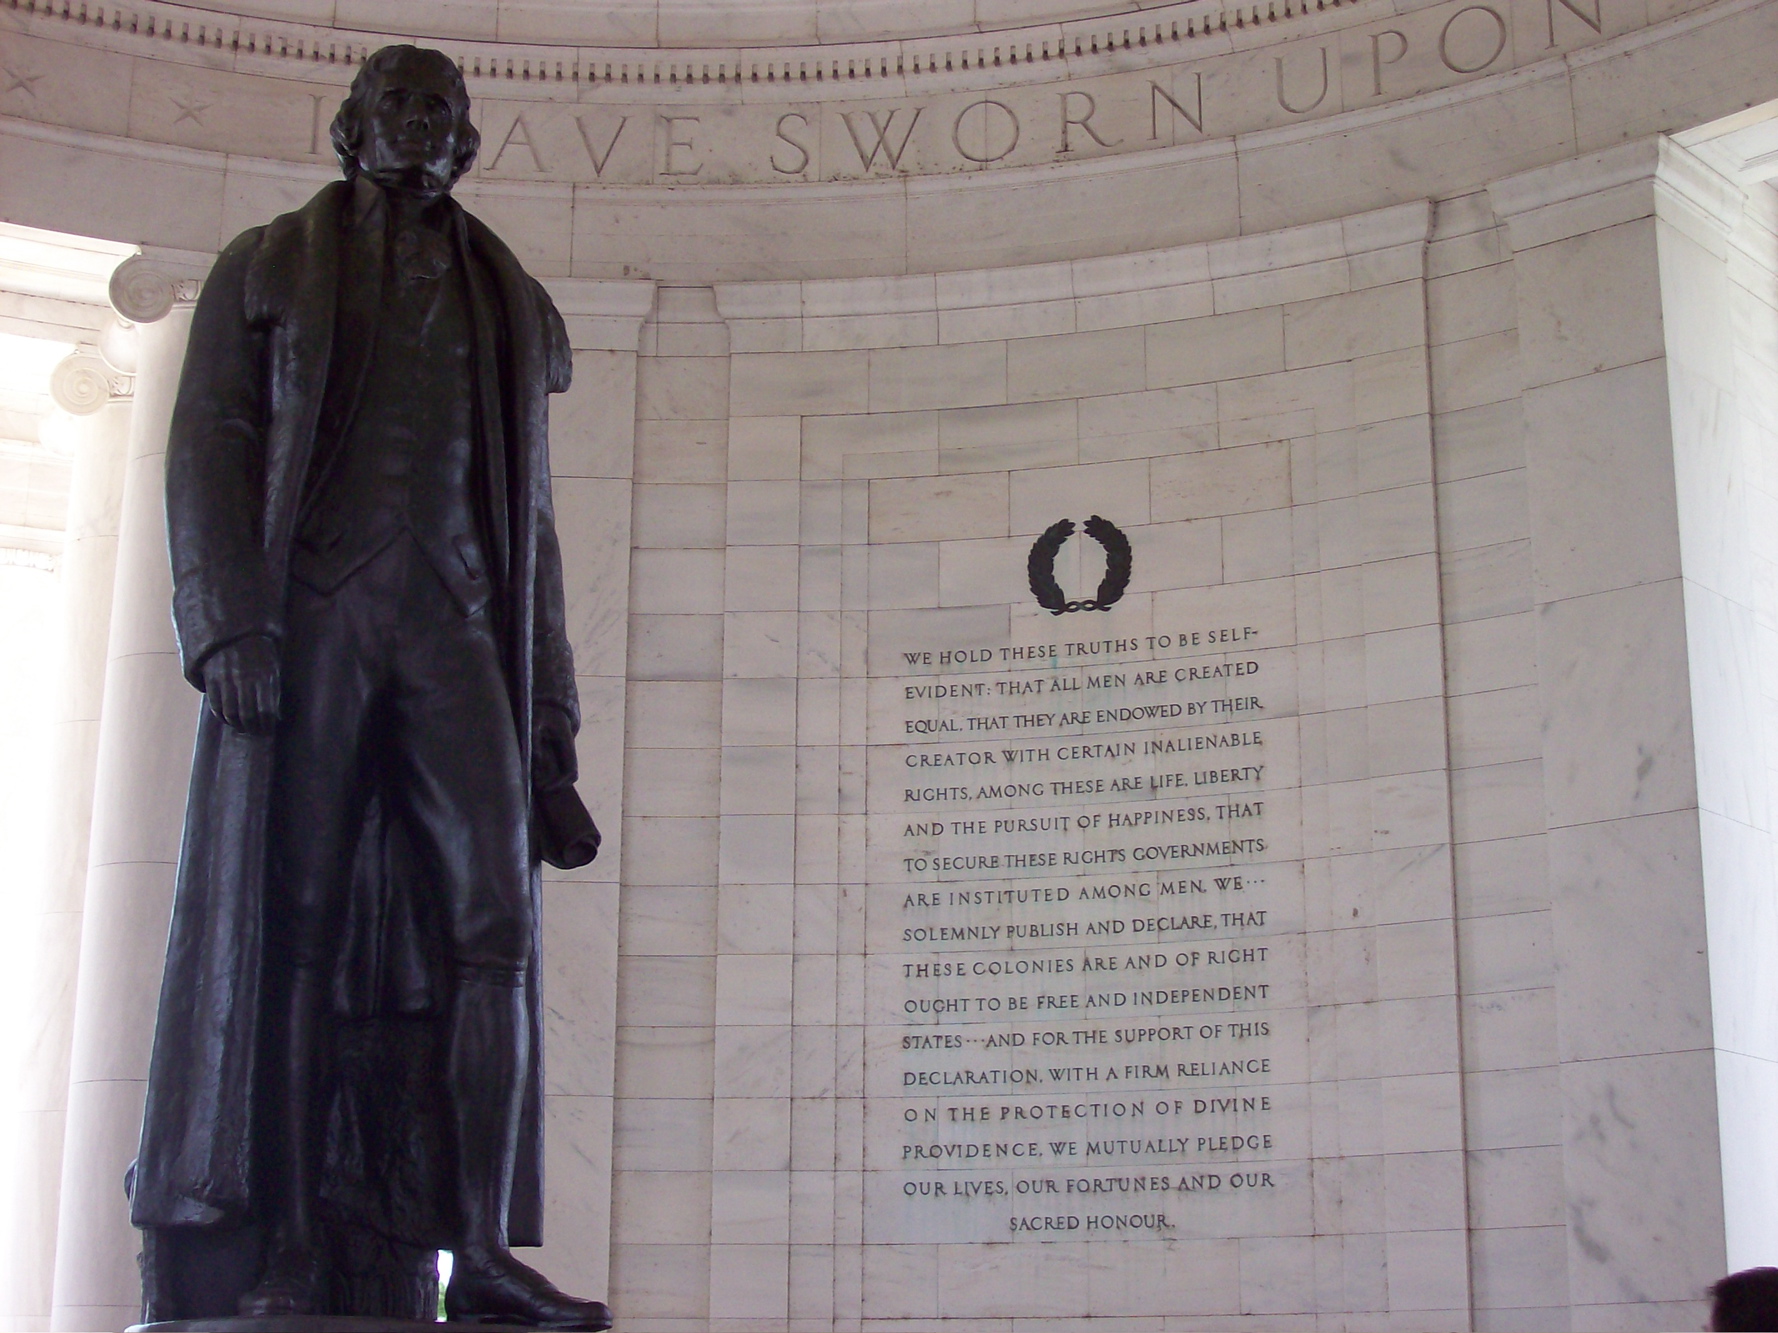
(241, 683)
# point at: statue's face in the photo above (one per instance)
(410, 129)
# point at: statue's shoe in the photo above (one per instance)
(493, 1287)
(294, 1283)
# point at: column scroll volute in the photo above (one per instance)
(82, 383)
(144, 289)
(90, 377)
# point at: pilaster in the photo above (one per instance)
(592, 465)
(1641, 473)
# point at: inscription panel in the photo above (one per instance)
(1085, 976)
(1146, 960)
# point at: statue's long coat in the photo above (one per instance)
(277, 319)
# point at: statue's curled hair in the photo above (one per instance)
(347, 132)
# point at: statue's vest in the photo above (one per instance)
(401, 460)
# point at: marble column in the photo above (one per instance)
(144, 742)
(92, 428)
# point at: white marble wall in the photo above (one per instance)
(823, 451)
(1257, 413)
(1503, 445)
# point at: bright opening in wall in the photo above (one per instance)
(34, 475)
(33, 504)
(25, 367)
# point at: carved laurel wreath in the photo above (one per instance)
(1041, 566)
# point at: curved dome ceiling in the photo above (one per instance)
(675, 24)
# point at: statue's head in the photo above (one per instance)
(405, 124)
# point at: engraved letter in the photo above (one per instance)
(586, 137)
(880, 130)
(673, 144)
(1499, 40)
(1084, 121)
(800, 166)
(519, 134)
(1377, 60)
(1158, 94)
(1278, 62)
(315, 123)
(985, 156)
(1595, 20)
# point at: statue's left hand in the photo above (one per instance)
(553, 763)
(568, 838)
(241, 682)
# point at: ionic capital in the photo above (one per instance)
(143, 290)
(82, 383)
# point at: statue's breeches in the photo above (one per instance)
(389, 688)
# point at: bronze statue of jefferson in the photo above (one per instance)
(367, 588)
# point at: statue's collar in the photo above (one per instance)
(370, 205)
